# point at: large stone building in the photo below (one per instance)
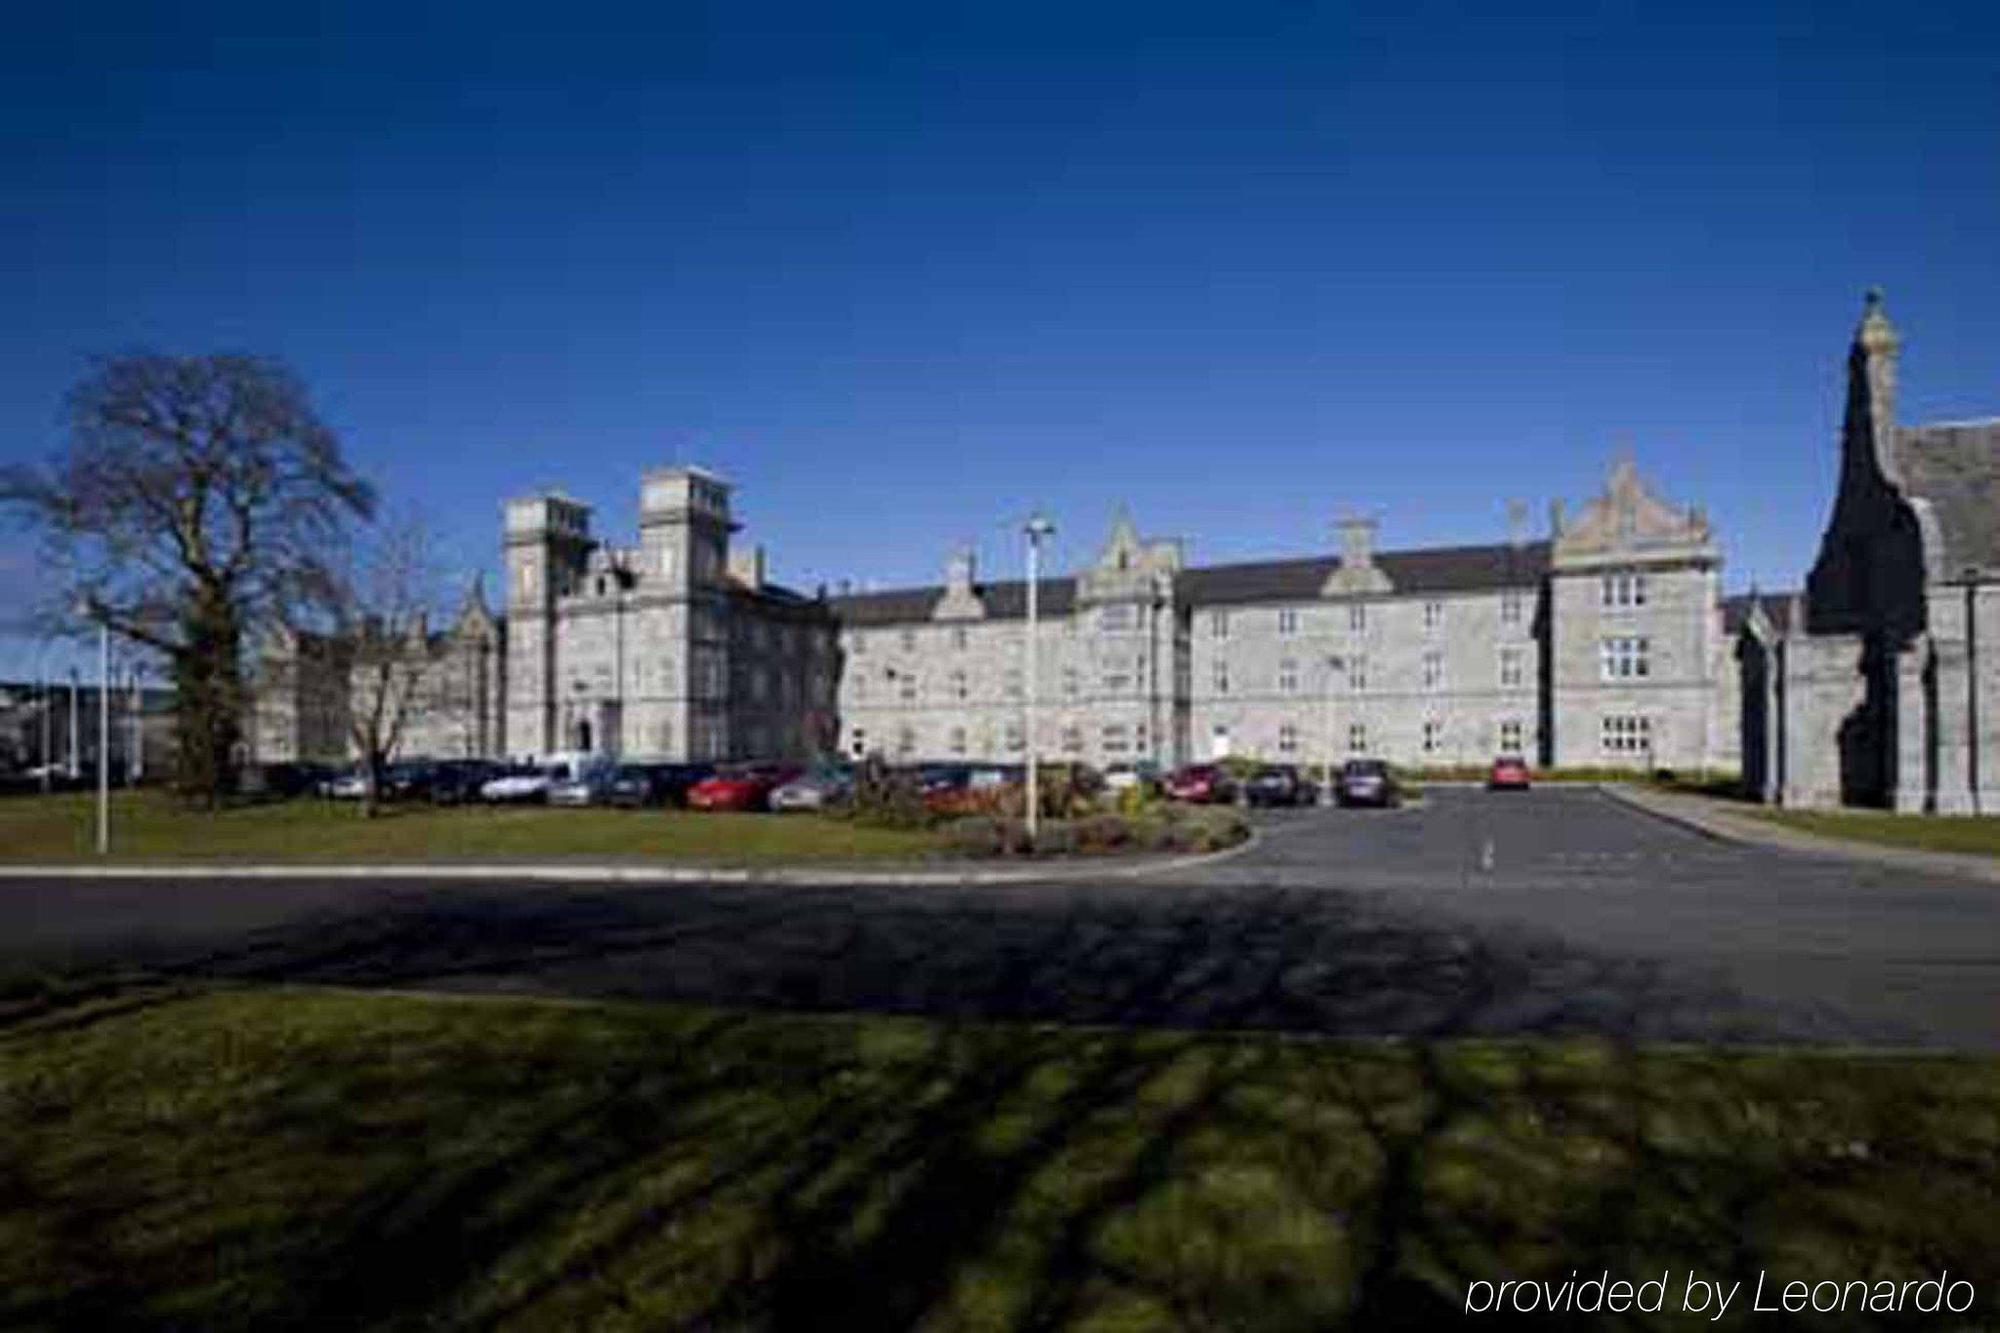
(1880, 684)
(1600, 644)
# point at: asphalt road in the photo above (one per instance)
(1550, 912)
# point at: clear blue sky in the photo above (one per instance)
(904, 272)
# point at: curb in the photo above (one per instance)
(1722, 826)
(822, 877)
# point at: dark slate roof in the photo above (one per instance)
(1777, 609)
(1437, 570)
(1004, 601)
(1956, 467)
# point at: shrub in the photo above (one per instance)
(886, 799)
(974, 835)
(1056, 837)
(1103, 833)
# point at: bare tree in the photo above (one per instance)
(193, 508)
(386, 600)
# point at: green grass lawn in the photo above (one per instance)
(264, 1158)
(1979, 836)
(152, 827)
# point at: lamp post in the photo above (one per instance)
(1972, 684)
(1333, 664)
(1036, 529)
(75, 764)
(89, 611)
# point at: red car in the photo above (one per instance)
(1510, 773)
(1201, 784)
(739, 787)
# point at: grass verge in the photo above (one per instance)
(1975, 835)
(153, 827)
(255, 1159)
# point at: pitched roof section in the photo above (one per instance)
(1777, 608)
(1437, 570)
(1956, 467)
(1003, 601)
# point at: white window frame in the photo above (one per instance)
(1357, 738)
(1625, 657)
(1288, 676)
(1623, 590)
(1433, 669)
(1357, 617)
(1288, 738)
(1511, 674)
(1433, 736)
(1433, 614)
(1513, 736)
(1218, 624)
(1288, 620)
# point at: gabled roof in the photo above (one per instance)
(1440, 569)
(1955, 467)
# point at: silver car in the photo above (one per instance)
(814, 791)
(588, 784)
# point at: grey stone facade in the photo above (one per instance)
(1880, 686)
(1602, 645)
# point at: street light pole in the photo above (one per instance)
(75, 764)
(1036, 529)
(103, 737)
(1333, 664)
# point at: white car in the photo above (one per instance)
(526, 783)
(348, 787)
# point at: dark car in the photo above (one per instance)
(637, 785)
(1201, 784)
(457, 781)
(1365, 782)
(1510, 773)
(1278, 784)
(288, 780)
(410, 780)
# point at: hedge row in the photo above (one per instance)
(1171, 829)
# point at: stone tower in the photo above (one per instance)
(684, 528)
(547, 543)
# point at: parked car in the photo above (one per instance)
(739, 787)
(1365, 782)
(588, 783)
(1278, 784)
(1145, 775)
(1202, 784)
(410, 780)
(348, 785)
(457, 781)
(815, 790)
(1510, 773)
(636, 785)
(529, 784)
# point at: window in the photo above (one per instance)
(1357, 737)
(1628, 734)
(1357, 617)
(860, 688)
(1114, 738)
(1221, 675)
(1357, 674)
(958, 740)
(958, 685)
(908, 682)
(857, 644)
(1288, 621)
(857, 741)
(1433, 669)
(1433, 614)
(1510, 668)
(1013, 682)
(1288, 676)
(1117, 676)
(1510, 735)
(958, 638)
(1072, 740)
(1218, 624)
(1070, 681)
(909, 640)
(1624, 657)
(1624, 589)
(906, 741)
(1016, 739)
(1433, 736)
(1510, 608)
(1114, 619)
(1288, 739)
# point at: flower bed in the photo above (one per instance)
(1165, 829)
